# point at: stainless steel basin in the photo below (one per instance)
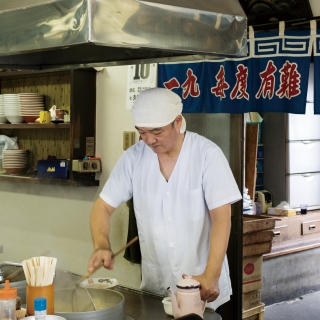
(109, 304)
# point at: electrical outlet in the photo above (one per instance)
(1, 249)
(86, 165)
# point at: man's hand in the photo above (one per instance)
(101, 257)
(100, 226)
(209, 290)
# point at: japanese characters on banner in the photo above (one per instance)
(274, 78)
(140, 77)
(316, 53)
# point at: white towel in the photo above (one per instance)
(157, 107)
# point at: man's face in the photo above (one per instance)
(163, 139)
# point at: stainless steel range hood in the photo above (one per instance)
(145, 29)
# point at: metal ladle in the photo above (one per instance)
(81, 298)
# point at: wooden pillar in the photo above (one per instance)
(251, 158)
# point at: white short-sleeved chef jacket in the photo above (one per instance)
(173, 217)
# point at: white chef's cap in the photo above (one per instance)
(157, 107)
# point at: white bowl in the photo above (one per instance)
(11, 111)
(11, 156)
(167, 305)
(14, 119)
(30, 94)
(100, 283)
(22, 108)
(13, 166)
(14, 150)
(6, 158)
(3, 119)
(14, 162)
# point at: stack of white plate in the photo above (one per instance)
(12, 108)
(14, 161)
(30, 106)
(3, 119)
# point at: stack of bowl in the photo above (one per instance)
(12, 108)
(3, 119)
(30, 106)
(14, 161)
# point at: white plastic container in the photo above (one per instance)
(167, 305)
(40, 308)
(8, 301)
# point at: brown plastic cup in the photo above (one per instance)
(40, 292)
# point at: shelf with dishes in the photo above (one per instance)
(74, 92)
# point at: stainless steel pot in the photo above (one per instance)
(110, 305)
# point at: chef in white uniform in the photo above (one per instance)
(183, 189)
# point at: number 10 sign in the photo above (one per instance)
(140, 77)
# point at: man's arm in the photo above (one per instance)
(219, 238)
(100, 228)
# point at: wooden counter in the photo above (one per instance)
(295, 234)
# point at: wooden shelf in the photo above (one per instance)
(293, 247)
(35, 126)
(290, 239)
(71, 90)
(57, 182)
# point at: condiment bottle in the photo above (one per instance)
(8, 302)
(40, 308)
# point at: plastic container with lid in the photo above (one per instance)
(8, 302)
(40, 308)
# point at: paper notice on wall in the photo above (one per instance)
(140, 77)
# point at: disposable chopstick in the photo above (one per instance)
(32, 274)
(39, 271)
(17, 272)
(26, 272)
(39, 275)
(88, 274)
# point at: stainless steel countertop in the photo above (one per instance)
(141, 305)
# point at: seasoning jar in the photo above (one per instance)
(40, 308)
(8, 302)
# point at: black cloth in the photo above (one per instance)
(132, 253)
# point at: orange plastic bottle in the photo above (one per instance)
(8, 298)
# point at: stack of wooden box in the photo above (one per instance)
(257, 240)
